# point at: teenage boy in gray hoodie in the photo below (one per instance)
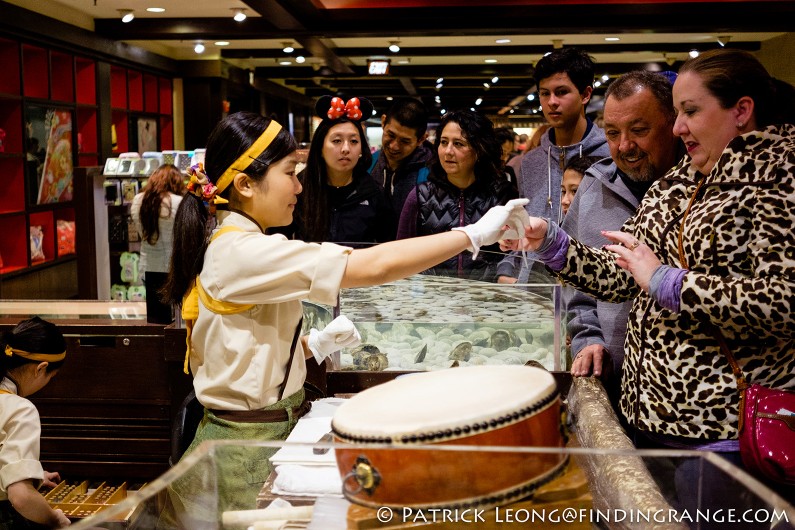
(564, 78)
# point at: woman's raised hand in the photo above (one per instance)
(633, 256)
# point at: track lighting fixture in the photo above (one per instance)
(126, 15)
(723, 40)
(287, 47)
(239, 14)
(394, 46)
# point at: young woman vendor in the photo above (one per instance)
(245, 352)
(30, 356)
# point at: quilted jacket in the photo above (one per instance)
(739, 243)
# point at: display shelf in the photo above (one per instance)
(87, 130)
(166, 133)
(165, 90)
(151, 96)
(11, 123)
(135, 90)
(12, 180)
(86, 81)
(36, 78)
(62, 77)
(14, 243)
(9, 58)
(118, 87)
(119, 119)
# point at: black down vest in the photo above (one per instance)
(442, 206)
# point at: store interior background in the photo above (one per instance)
(452, 55)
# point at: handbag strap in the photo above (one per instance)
(742, 384)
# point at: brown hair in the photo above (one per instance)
(165, 180)
(731, 74)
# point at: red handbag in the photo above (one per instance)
(767, 426)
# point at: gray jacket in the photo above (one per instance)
(602, 202)
(540, 180)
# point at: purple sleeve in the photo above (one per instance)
(665, 286)
(553, 251)
(407, 226)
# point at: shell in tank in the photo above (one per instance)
(461, 351)
(502, 340)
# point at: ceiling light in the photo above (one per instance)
(531, 97)
(605, 78)
(239, 14)
(199, 48)
(478, 101)
(222, 43)
(693, 53)
(156, 9)
(287, 47)
(494, 80)
(393, 46)
(440, 80)
(490, 61)
(300, 59)
(486, 86)
(126, 15)
(285, 63)
(723, 40)
(389, 98)
(597, 84)
(439, 86)
(404, 61)
(472, 109)
(511, 111)
(502, 41)
(612, 39)
(443, 111)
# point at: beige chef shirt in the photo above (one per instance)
(239, 360)
(20, 430)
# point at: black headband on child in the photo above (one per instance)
(334, 108)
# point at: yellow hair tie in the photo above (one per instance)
(49, 357)
(244, 160)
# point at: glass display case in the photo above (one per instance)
(431, 322)
(73, 310)
(717, 495)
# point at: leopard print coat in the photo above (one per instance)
(740, 247)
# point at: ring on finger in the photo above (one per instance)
(635, 244)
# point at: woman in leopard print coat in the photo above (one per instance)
(737, 270)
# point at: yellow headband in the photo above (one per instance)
(252, 152)
(49, 357)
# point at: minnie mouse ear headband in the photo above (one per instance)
(334, 108)
(200, 184)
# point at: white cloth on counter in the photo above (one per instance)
(292, 479)
(307, 431)
(323, 408)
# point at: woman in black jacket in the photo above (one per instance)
(341, 202)
(463, 184)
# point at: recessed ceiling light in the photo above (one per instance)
(389, 98)
(126, 15)
(612, 39)
(239, 14)
(288, 48)
(494, 79)
(156, 9)
(394, 46)
(490, 61)
(478, 101)
(693, 53)
(199, 48)
(502, 41)
(222, 43)
(300, 59)
(285, 63)
(403, 61)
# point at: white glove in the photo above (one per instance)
(340, 333)
(489, 228)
